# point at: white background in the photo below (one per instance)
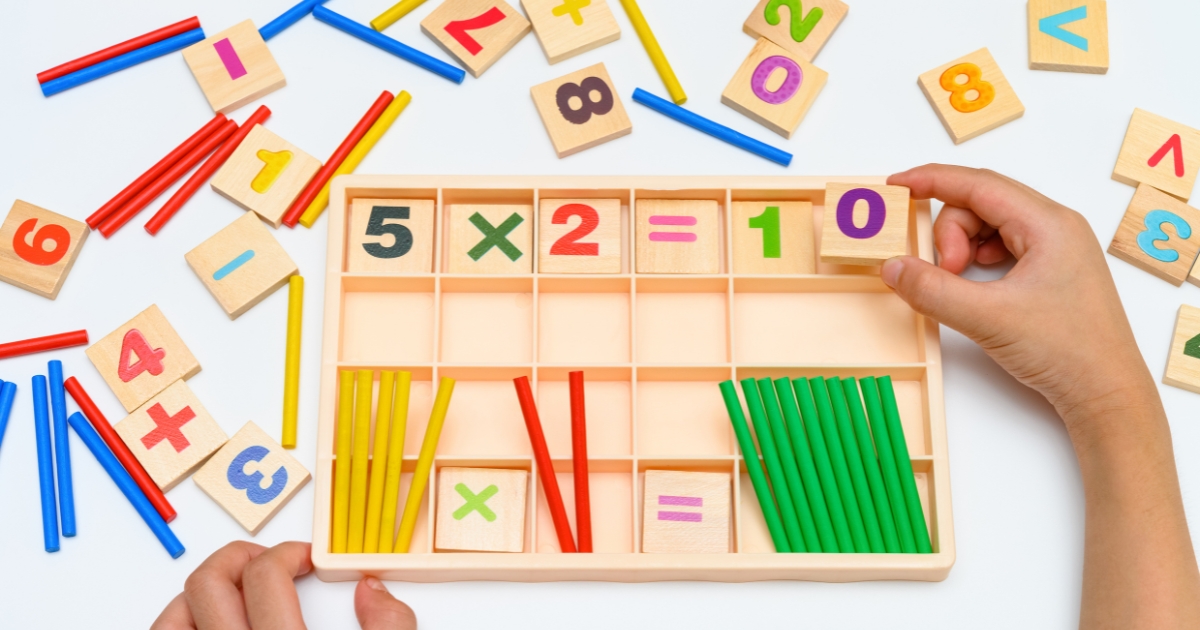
(1016, 491)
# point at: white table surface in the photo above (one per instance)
(1017, 497)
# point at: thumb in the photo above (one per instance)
(376, 609)
(959, 303)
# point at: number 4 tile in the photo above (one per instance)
(265, 174)
(234, 67)
(581, 110)
(171, 435)
(38, 248)
(774, 88)
(1159, 234)
(476, 32)
(971, 95)
(579, 236)
(142, 358)
(391, 235)
(241, 265)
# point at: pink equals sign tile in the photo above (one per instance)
(687, 517)
(672, 237)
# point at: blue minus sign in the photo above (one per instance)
(233, 265)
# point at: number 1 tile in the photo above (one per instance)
(265, 174)
(241, 265)
(773, 237)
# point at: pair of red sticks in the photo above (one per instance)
(583, 503)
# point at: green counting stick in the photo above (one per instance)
(787, 510)
(757, 478)
(883, 510)
(858, 475)
(816, 439)
(808, 468)
(887, 462)
(808, 527)
(841, 471)
(908, 481)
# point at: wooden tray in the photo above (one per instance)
(653, 348)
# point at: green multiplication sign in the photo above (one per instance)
(1192, 347)
(768, 222)
(495, 236)
(475, 502)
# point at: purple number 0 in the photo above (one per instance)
(789, 87)
(876, 213)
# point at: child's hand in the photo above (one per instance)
(245, 585)
(1054, 321)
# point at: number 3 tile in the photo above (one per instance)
(391, 235)
(581, 110)
(1160, 235)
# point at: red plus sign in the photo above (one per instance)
(167, 427)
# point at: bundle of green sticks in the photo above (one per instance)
(840, 486)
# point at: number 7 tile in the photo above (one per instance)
(391, 236)
(476, 32)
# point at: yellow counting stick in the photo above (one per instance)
(655, 51)
(358, 469)
(383, 421)
(291, 362)
(389, 17)
(360, 151)
(341, 474)
(395, 461)
(416, 491)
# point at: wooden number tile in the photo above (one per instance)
(1068, 35)
(581, 110)
(475, 32)
(1159, 152)
(1183, 361)
(142, 358)
(971, 95)
(677, 236)
(38, 248)
(800, 26)
(569, 27)
(685, 512)
(864, 225)
(1159, 234)
(773, 237)
(241, 264)
(391, 235)
(265, 174)
(481, 509)
(490, 238)
(774, 88)
(171, 435)
(251, 477)
(579, 236)
(234, 67)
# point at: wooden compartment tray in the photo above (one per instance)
(653, 348)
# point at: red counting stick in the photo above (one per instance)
(151, 192)
(322, 177)
(537, 438)
(114, 442)
(202, 174)
(131, 45)
(42, 344)
(155, 172)
(583, 500)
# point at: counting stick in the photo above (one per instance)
(787, 509)
(858, 474)
(291, 361)
(45, 455)
(122, 452)
(355, 157)
(399, 10)
(110, 464)
(205, 172)
(341, 471)
(379, 40)
(841, 470)
(887, 524)
(650, 43)
(791, 472)
(416, 492)
(533, 424)
(42, 344)
(718, 131)
(908, 482)
(127, 60)
(808, 469)
(131, 45)
(583, 498)
(62, 450)
(359, 461)
(8, 392)
(379, 460)
(172, 175)
(155, 172)
(289, 17)
(339, 155)
(829, 486)
(887, 462)
(395, 462)
(754, 468)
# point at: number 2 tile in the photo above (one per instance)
(142, 358)
(581, 110)
(171, 435)
(971, 95)
(1159, 234)
(800, 26)
(774, 88)
(38, 248)
(241, 265)
(579, 236)
(265, 174)
(476, 32)
(391, 235)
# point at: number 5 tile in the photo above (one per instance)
(391, 235)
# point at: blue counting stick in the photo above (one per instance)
(379, 40)
(8, 391)
(128, 60)
(62, 450)
(114, 469)
(41, 426)
(289, 17)
(718, 131)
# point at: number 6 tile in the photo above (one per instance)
(38, 248)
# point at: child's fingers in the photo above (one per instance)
(213, 590)
(378, 610)
(176, 616)
(954, 235)
(965, 306)
(268, 587)
(991, 251)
